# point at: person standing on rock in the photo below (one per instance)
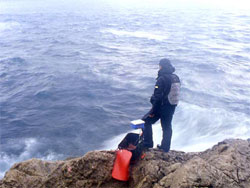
(164, 101)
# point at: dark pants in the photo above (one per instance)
(166, 116)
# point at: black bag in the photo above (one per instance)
(134, 143)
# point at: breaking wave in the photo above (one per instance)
(199, 131)
(31, 149)
(137, 34)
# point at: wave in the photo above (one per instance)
(6, 26)
(137, 34)
(31, 150)
(10, 66)
(13, 60)
(197, 128)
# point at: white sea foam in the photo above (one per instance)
(8, 26)
(196, 128)
(138, 34)
(30, 151)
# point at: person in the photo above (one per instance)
(164, 101)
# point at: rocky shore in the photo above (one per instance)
(225, 165)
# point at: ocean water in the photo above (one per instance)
(73, 75)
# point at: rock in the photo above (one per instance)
(226, 165)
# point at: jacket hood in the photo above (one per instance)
(165, 71)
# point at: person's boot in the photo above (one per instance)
(147, 146)
(161, 148)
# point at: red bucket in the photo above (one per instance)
(121, 165)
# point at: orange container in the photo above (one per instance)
(121, 165)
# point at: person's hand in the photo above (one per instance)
(151, 115)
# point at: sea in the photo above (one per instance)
(73, 74)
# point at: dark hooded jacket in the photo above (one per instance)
(162, 89)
